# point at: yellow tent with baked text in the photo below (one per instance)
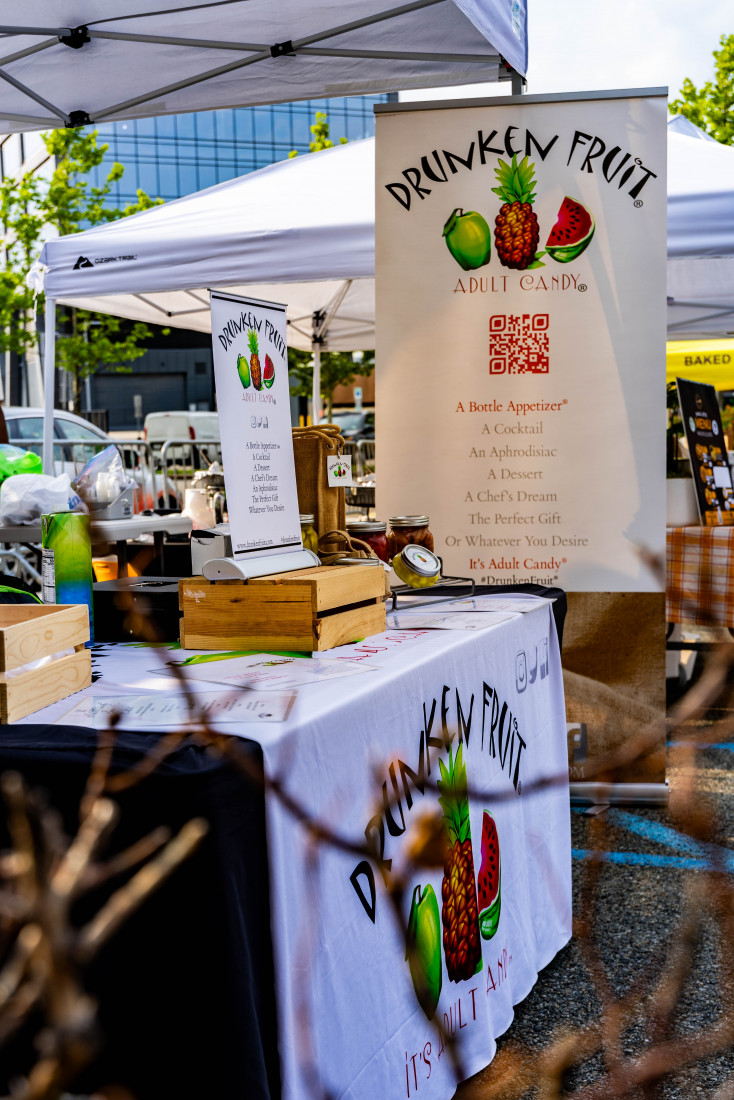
(709, 361)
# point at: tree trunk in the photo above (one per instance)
(77, 386)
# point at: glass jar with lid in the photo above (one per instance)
(308, 533)
(416, 566)
(371, 531)
(407, 529)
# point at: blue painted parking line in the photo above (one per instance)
(699, 856)
(642, 859)
(727, 745)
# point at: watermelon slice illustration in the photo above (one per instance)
(269, 372)
(489, 879)
(572, 232)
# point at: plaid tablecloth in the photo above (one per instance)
(699, 585)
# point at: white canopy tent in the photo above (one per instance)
(74, 62)
(700, 233)
(309, 223)
(65, 64)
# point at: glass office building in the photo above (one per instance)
(175, 155)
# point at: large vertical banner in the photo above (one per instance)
(251, 370)
(521, 248)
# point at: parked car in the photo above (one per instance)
(354, 424)
(203, 427)
(83, 441)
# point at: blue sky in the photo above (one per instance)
(585, 46)
(598, 44)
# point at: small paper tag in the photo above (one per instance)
(339, 469)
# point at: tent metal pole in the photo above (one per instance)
(316, 394)
(49, 372)
(33, 95)
(721, 312)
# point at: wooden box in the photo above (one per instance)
(305, 610)
(29, 632)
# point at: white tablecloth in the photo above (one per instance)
(353, 753)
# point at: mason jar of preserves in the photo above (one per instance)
(416, 566)
(407, 529)
(308, 533)
(373, 532)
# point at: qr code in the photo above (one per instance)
(519, 343)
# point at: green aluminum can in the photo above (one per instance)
(67, 561)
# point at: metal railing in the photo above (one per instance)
(138, 457)
(363, 456)
(366, 456)
(180, 459)
(163, 474)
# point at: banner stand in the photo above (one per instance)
(233, 569)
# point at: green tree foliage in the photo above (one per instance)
(31, 207)
(711, 107)
(321, 139)
(338, 368)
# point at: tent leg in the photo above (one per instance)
(517, 83)
(49, 371)
(316, 395)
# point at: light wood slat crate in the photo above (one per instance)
(29, 632)
(302, 611)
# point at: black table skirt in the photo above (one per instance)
(185, 987)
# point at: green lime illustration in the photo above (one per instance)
(243, 369)
(469, 238)
(423, 948)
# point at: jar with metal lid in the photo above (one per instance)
(308, 533)
(416, 566)
(371, 531)
(408, 529)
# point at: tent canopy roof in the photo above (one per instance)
(308, 222)
(72, 62)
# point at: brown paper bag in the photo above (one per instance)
(316, 497)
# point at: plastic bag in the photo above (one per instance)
(14, 460)
(24, 498)
(101, 481)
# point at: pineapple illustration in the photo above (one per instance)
(255, 369)
(461, 944)
(516, 230)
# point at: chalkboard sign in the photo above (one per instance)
(701, 416)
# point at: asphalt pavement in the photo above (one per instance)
(654, 881)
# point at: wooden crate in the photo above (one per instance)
(304, 610)
(29, 632)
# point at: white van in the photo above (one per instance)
(203, 427)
